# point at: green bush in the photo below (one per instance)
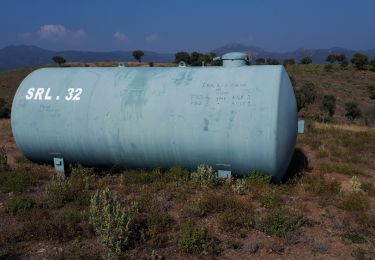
(16, 181)
(3, 160)
(114, 225)
(352, 111)
(19, 205)
(205, 175)
(193, 239)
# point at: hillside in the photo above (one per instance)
(21, 56)
(325, 209)
(12, 57)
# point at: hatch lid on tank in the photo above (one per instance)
(235, 59)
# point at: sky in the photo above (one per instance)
(189, 25)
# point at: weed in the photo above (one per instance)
(236, 219)
(19, 205)
(354, 237)
(152, 218)
(212, 203)
(205, 175)
(3, 160)
(140, 176)
(232, 244)
(40, 224)
(318, 184)
(271, 198)
(355, 184)
(258, 178)
(239, 186)
(281, 221)
(338, 168)
(320, 246)
(371, 91)
(359, 253)
(16, 181)
(354, 201)
(193, 239)
(111, 222)
(251, 247)
(368, 187)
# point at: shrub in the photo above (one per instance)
(306, 95)
(352, 110)
(239, 186)
(193, 239)
(306, 60)
(205, 175)
(71, 189)
(3, 160)
(360, 61)
(328, 67)
(111, 222)
(19, 205)
(371, 90)
(16, 181)
(4, 109)
(280, 222)
(256, 177)
(328, 104)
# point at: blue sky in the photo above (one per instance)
(170, 26)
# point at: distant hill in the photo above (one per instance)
(317, 55)
(22, 56)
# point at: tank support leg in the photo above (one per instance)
(59, 167)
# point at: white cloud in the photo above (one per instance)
(119, 36)
(152, 38)
(58, 32)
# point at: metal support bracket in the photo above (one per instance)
(301, 126)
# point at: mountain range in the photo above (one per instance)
(12, 57)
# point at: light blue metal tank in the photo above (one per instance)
(234, 117)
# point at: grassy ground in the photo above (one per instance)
(324, 211)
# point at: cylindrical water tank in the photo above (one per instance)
(235, 117)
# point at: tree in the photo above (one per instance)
(4, 109)
(182, 56)
(59, 60)
(260, 61)
(360, 61)
(289, 62)
(329, 105)
(272, 61)
(138, 54)
(306, 95)
(306, 60)
(331, 58)
(352, 110)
